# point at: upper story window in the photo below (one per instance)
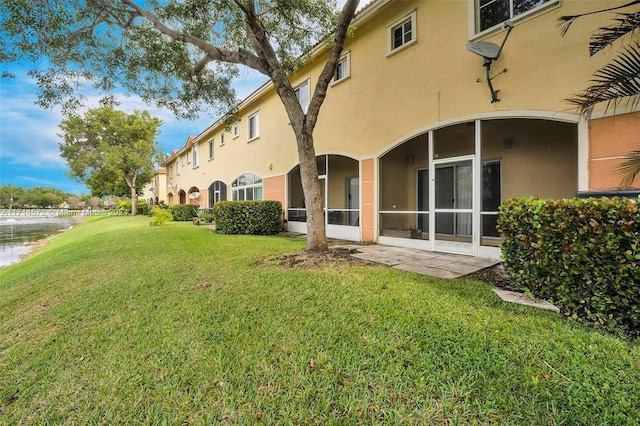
(236, 130)
(254, 125)
(221, 139)
(302, 93)
(490, 13)
(402, 33)
(194, 155)
(178, 167)
(211, 149)
(343, 70)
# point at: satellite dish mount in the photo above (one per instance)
(490, 52)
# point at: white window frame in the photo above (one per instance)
(236, 190)
(194, 155)
(255, 117)
(177, 168)
(221, 139)
(188, 157)
(299, 88)
(212, 149)
(406, 18)
(236, 130)
(346, 60)
(474, 17)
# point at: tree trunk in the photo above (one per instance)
(134, 201)
(316, 234)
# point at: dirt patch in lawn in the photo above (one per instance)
(496, 276)
(316, 259)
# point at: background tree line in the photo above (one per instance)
(44, 197)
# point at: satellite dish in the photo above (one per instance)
(490, 52)
(485, 49)
(194, 195)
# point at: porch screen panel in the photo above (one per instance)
(464, 191)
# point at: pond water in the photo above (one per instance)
(15, 234)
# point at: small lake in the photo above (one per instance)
(15, 234)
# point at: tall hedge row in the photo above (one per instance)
(581, 254)
(248, 217)
(182, 212)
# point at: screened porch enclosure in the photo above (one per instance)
(339, 178)
(441, 190)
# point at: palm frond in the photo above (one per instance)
(565, 21)
(605, 36)
(629, 169)
(616, 82)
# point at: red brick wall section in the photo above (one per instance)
(611, 138)
(274, 189)
(367, 215)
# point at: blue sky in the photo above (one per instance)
(29, 154)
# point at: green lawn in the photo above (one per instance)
(117, 322)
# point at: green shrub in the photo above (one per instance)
(248, 217)
(182, 212)
(143, 206)
(159, 215)
(581, 254)
(152, 209)
(124, 206)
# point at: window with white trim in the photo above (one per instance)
(221, 139)
(194, 155)
(177, 167)
(254, 126)
(302, 93)
(188, 158)
(402, 33)
(236, 130)
(247, 186)
(211, 148)
(343, 70)
(490, 13)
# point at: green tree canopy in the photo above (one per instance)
(182, 55)
(105, 147)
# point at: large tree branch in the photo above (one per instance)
(260, 42)
(214, 53)
(339, 37)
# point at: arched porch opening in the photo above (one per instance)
(340, 187)
(441, 190)
(182, 196)
(217, 192)
(194, 196)
(247, 186)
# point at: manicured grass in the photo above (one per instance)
(117, 322)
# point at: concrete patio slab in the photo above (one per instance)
(437, 264)
(522, 299)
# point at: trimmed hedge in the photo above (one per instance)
(581, 254)
(248, 217)
(182, 212)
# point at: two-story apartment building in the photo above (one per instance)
(155, 192)
(411, 137)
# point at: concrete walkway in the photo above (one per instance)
(443, 265)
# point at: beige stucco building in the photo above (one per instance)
(155, 192)
(411, 137)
